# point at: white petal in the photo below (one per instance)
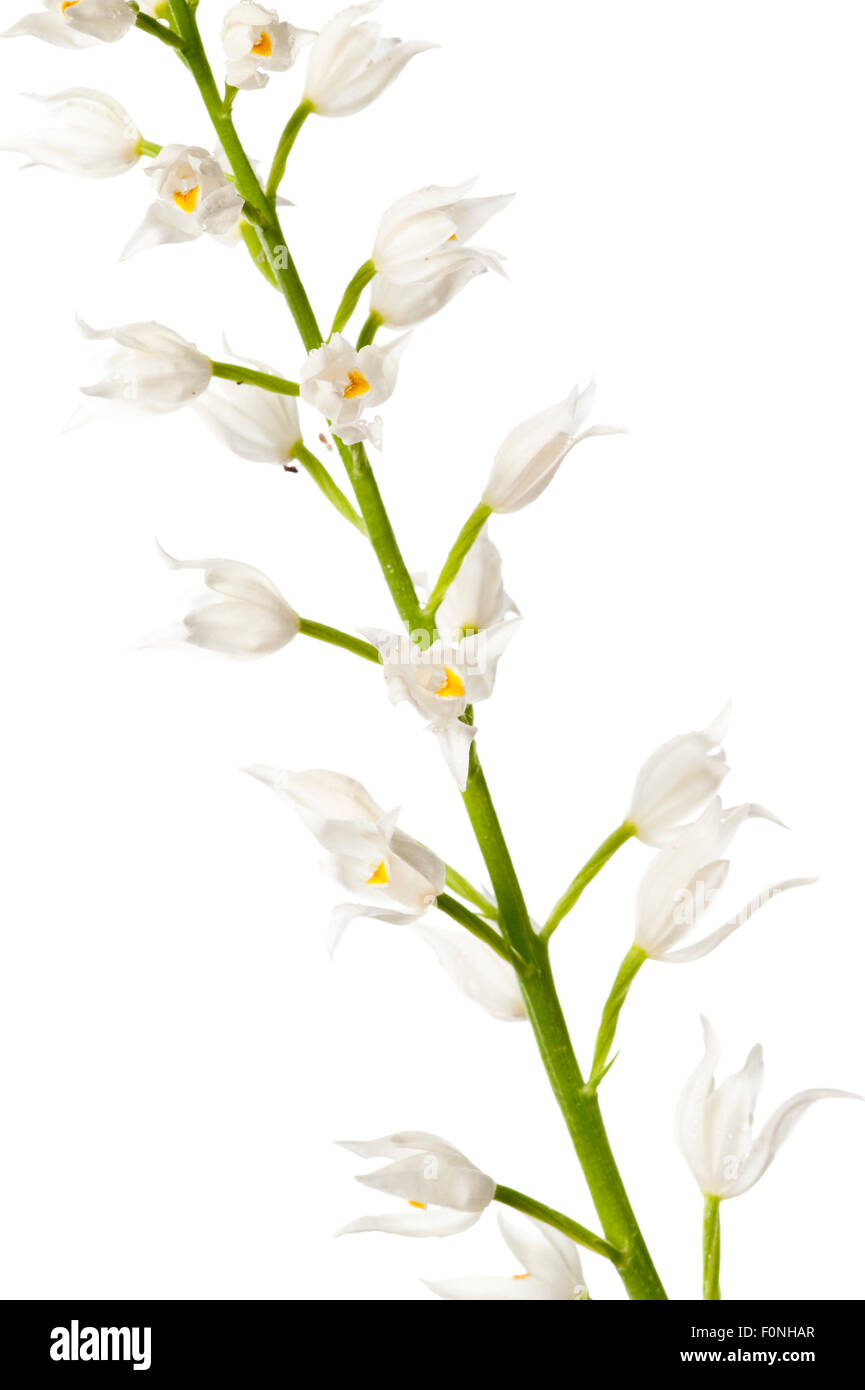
(775, 1132)
(434, 1222)
(547, 1254)
(690, 1112)
(711, 942)
(476, 969)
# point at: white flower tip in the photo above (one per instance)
(717, 730)
(170, 560)
(262, 773)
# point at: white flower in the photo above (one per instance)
(531, 454)
(420, 255)
(76, 23)
(551, 1261)
(442, 681)
(682, 880)
(678, 779)
(476, 600)
(444, 1189)
(714, 1127)
(341, 383)
(93, 136)
(193, 196)
(153, 369)
(397, 878)
(256, 42)
(247, 619)
(259, 425)
(350, 64)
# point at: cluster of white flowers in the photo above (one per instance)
(423, 255)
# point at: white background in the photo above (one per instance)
(178, 1052)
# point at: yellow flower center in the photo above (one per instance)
(262, 46)
(67, 5)
(451, 687)
(379, 875)
(421, 1206)
(185, 201)
(519, 1276)
(357, 386)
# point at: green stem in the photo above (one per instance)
(473, 923)
(283, 149)
(592, 867)
(468, 891)
(322, 479)
(509, 1197)
(148, 149)
(157, 30)
(460, 549)
(712, 1249)
(369, 330)
(628, 969)
(353, 291)
(232, 371)
(322, 633)
(252, 241)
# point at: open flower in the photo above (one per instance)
(678, 779)
(553, 1271)
(255, 424)
(714, 1127)
(257, 42)
(76, 23)
(442, 681)
(683, 879)
(247, 618)
(93, 135)
(444, 1190)
(531, 454)
(350, 64)
(476, 600)
(152, 368)
(342, 383)
(420, 255)
(193, 196)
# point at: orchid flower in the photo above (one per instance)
(342, 383)
(446, 1192)
(683, 880)
(421, 257)
(248, 618)
(152, 369)
(259, 425)
(553, 1271)
(256, 43)
(714, 1126)
(530, 456)
(442, 682)
(678, 779)
(93, 135)
(76, 23)
(350, 64)
(193, 196)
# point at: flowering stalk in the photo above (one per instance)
(232, 371)
(353, 291)
(712, 1248)
(460, 549)
(322, 479)
(336, 638)
(284, 148)
(627, 973)
(602, 855)
(478, 928)
(509, 1197)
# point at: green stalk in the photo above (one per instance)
(283, 149)
(157, 30)
(712, 1249)
(322, 479)
(467, 890)
(459, 550)
(232, 371)
(353, 291)
(633, 961)
(252, 241)
(148, 149)
(593, 866)
(473, 923)
(509, 1197)
(369, 330)
(322, 633)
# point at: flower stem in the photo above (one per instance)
(322, 633)
(633, 961)
(353, 291)
(148, 149)
(473, 923)
(592, 867)
(158, 31)
(509, 1197)
(369, 330)
(467, 890)
(283, 149)
(252, 241)
(460, 549)
(322, 479)
(231, 371)
(712, 1249)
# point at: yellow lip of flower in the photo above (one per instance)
(185, 201)
(67, 5)
(520, 1276)
(451, 687)
(357, 386)
(380, 874)
(421, 1206)
(263, 46)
